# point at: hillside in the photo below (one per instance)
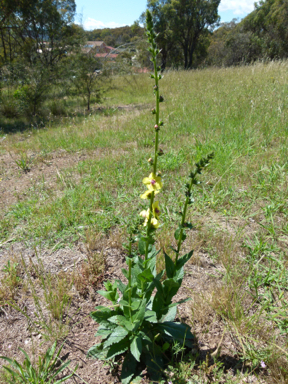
(70, 190)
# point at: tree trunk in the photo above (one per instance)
(88, 102)
(191, 51)
(4, 46)
(164, 59)
(185, 57)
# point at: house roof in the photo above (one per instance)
(112, 55)
(93, 44)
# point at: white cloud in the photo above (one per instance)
(90, 23)
(238, 7)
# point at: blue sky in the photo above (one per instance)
(116, 13)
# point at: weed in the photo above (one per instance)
(11, 281)
(137, 324)
(51, 300)
(47, 371)
(24, 162)
(90, 273)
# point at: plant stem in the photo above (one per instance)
(129, 283)
(182, 223)
(156, 151)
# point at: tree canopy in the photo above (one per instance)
(182, 24)
(263, 34)
(36, 28)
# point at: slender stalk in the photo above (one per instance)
(157, 122)
(199, 167)
(129, 284)
(149, 225)
(182, 225)
(157, 116)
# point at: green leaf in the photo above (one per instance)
(178, 233)
(121, 286)
(151, 263)
(123, 303)
(108, 285)
(146, 276)
(179, 275)
(142, 245)
(153, 252)
(118, 334)
(188, 225)
(125, 273)
(139, 316)
(136, 304)
(154, 363)
(178, 331)
(170, 315)
(104, 330)
(165, 346)
(183, 300)
(136, 270)
(150, 316)
(97, 352)
(183, 260)
(117, 349)
(122, 321)
(173, 249)
(136, 347)
(128, 368)
(110, 295)
(102, 315)
(170, 284)
(169, 266)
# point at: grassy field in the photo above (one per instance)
(76, 179)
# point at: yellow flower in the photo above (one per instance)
(148, 194)
(145, 214)
(156, 209)
(153, 182)
(154, 223)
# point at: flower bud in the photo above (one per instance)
(156, 127)
(159, 174)
(153, 111)
(160, 152)
(155, 88)
(161, 99)
(150, 161)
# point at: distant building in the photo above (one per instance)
(100, 50)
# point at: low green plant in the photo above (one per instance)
(139, 324)
(24, 162)
(54, 295)
(10, 282)
(47, 371)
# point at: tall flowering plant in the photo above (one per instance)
(139, 324)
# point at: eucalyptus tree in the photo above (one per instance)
(182, 23)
